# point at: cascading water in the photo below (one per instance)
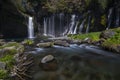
(81, 26)
(75, 30)
(30, 28)
(54, 25)
(72, 24)
(109, 18)
(45, 27)
(58, 25)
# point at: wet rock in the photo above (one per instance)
(2, 42)
(87, 40)
(49, 63)
(45, 44)
(2, 65)
(7, 50)
(116, 48)
(107, 34)
(62, 43)
(47, 58)
(74, 42)
(11, 48)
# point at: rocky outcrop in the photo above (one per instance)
(11, 48)
(107, 34)
(61, 43)
(49, 63)
(12, 23)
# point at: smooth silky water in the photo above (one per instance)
(83, 62)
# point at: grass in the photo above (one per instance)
(112, 43)
(114, 40)
(10, 49)
(3, 74)
(94, 36)
(8, 59)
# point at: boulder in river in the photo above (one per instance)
(62, 43)
(49, 63)
(45, 44)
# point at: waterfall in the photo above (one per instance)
(30, 28)
(72, 24)
(45, 27)
(75, 30)
(88, 26)
(58, 25)
(49, 29)
(109, 18)
(81, 26)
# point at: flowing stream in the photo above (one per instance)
(77, 62)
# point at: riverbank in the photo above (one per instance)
(108, 39)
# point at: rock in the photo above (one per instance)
(11, 48)
(45, 44)
(107, 34)
(7, 50)
(49, 63)
(74, 42)
(62, 43)
(47, 58)
(2, 65)
(87, 40)
(2, 42)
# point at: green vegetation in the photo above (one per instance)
(111, 43)
(94, 36)
(10, 44)
(3, 74)
(114, 40)
(7, 56)
(63, 5)
(28, 42)
(9, 60)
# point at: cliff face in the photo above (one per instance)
(12, 23)
(104, 13)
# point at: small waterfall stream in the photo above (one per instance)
(75, 30)
(81, 26)
(45, 27)
(88, 25)
(109, 18)
(72, 24)
(30, 28)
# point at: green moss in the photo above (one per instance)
(11, 44)
(3, 74)
(28, 42)
(113, 41)
(9, 60)
(94, 36)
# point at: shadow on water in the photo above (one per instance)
(82, 62)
